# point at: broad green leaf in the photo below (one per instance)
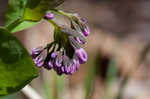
(16, 66)
(36, 9)
(19, 25)
(15, 10)
(20, 11)
(24, 25)
(13, 24)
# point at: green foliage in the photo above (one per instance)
(112, 72)
(16, 66)
(36, 11)
(15, 10)
(30, 11)
(57, 86)
(24, 25)
(110, 78)
(90, 78)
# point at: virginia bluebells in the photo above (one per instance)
(64, 54)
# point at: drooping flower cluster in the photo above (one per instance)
(64, 55)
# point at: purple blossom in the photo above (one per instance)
(86, 31)
(82, 24)
(82, 55)
(39, 61)
(76, 64)
(68, 69)
(36, 51)
(49, 16)
(53, 55)
(72, 69)
(40, 64)
(83, 21)
(50, 64)
(63, 69)
(58, 70)
(65, 54)
(79, 41)
(58, 60)
(57, 63)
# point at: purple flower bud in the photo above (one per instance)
(83, 20)
(86, 31)
(59, 72)
(58, 62)
(39, 61)
(40, 64)
(82, 55)
(79, 18)
(46, 66)
(72, 69)
(53, 55)
(63, 69)
(76, 64)
(50, 64)
(74, 61)
(49, 16)
(35, 52)
(79, 41)
(76, 14)
(68, 69)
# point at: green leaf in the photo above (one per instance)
(16, 66)
(110, 78)
(15, 10)
(36, 9)
(19, 25)
(32, 11)
(23, 25)
(89, 82)
(112, 72)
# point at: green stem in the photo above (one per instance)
(46, 90)
(54, 23)
(62, 12)
(15, 23)
(111, 76)
(55, 91)
(122, 86)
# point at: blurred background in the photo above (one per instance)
(118, 52)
